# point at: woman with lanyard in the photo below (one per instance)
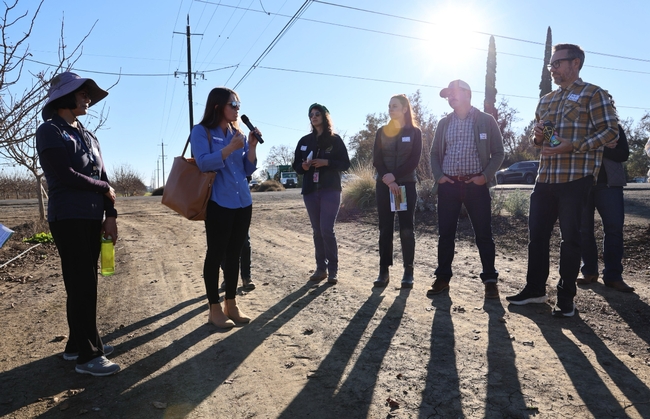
(80, 211)
(321, 157)
(219, 145)
(396, 154)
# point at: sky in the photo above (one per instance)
(351, 56)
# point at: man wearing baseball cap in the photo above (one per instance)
(466, 153)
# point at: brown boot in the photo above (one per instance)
(218, 318)
(232, 311)
(586, 279)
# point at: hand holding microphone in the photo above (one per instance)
(250, 126)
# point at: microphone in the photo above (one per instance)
(250, 126)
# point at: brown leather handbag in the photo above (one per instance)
(188, 189)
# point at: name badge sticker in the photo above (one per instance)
(574, 97)
(406, 139)
(303, 148)
(482, 136)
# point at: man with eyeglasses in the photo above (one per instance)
(584, 120)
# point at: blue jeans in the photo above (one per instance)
(548, 202)
(323, 207)
(609, 203)
(477, 201)
(387, 225)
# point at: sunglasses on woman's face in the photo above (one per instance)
(314, 114)
(235, 104)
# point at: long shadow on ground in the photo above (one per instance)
(594, 392)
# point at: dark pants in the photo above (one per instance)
(78, 243)
(322, 208)
(387, 225)
(609, 203)
(548, 202)
(244, 258)
(225, 230)
(477, 201)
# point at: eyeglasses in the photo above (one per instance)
(556, 63)
(314, 114)
(235, 104)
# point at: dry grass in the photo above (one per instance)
(358, 193)
(268, 186)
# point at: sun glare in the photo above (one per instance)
(452, 33)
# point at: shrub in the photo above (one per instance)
(517, 203)
(269, 185)
(359, 192)
(498, 200)
(158, 191)
(426, 198)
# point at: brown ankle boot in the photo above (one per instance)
(232, 311)
(217, 317)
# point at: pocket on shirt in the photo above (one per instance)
(571, 112)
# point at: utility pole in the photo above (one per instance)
(188, 73)
(163, 162)
(158, 173)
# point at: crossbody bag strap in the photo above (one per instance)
(187, 143)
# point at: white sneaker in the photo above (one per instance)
(98, 367)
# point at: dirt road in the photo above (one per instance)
(320, 351)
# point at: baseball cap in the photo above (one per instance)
(456, 84)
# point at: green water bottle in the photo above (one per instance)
(107, 257)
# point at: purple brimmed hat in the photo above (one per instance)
(68, 82)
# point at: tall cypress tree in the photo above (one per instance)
(491, 80)
(545, 85)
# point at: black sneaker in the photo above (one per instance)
(248, 284)
(564, 309)
(526, 297)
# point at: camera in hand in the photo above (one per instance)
(549, 134)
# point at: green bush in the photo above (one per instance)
(426, 198)
(498, 200)
(517, 203)
(39, 238)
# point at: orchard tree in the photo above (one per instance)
(361, 144)
(428, 123)
(126, 181)
(20, 106)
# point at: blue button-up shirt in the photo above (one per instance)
(230, 188)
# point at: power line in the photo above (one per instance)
(405, 83)
(275, 41)
(477, 32)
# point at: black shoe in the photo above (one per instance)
(332, 279)
(382, 280)
(248, 284)
(407, 279)
(564, 308)
(526, 297)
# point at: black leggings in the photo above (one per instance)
(226, 230)
(78, 243)
(387, 223)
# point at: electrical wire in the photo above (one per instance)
(275, 41)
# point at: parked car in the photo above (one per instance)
(253, 183)
(520, 172)
(640, 179)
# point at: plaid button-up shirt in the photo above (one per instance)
(585, 114)
(461, 156)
